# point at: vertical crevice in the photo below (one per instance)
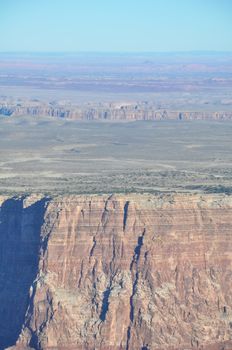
(134, 287)
(105, 213)
(125, 214)
(137, 250)
(135, 275)
(81, 274)
(128, 337)
(105, 304)
(93, 246)
(106, 294)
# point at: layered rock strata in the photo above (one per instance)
(128, 113)
(118, 272)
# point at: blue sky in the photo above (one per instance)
(115, 25)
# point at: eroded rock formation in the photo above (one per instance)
(119, 112)
(119, 272)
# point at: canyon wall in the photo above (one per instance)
(128, 112)
(133, 272)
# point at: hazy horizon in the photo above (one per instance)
(196, 52)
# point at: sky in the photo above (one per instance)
(115, 25)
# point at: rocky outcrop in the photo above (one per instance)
(109, 112)
(119, 272)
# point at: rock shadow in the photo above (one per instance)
(20, 230)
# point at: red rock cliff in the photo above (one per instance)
(120, 272)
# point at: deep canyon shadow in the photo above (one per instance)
(19, 256)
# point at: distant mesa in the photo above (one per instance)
(115, 112)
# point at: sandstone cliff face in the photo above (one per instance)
(118, 272)
(129, 113)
